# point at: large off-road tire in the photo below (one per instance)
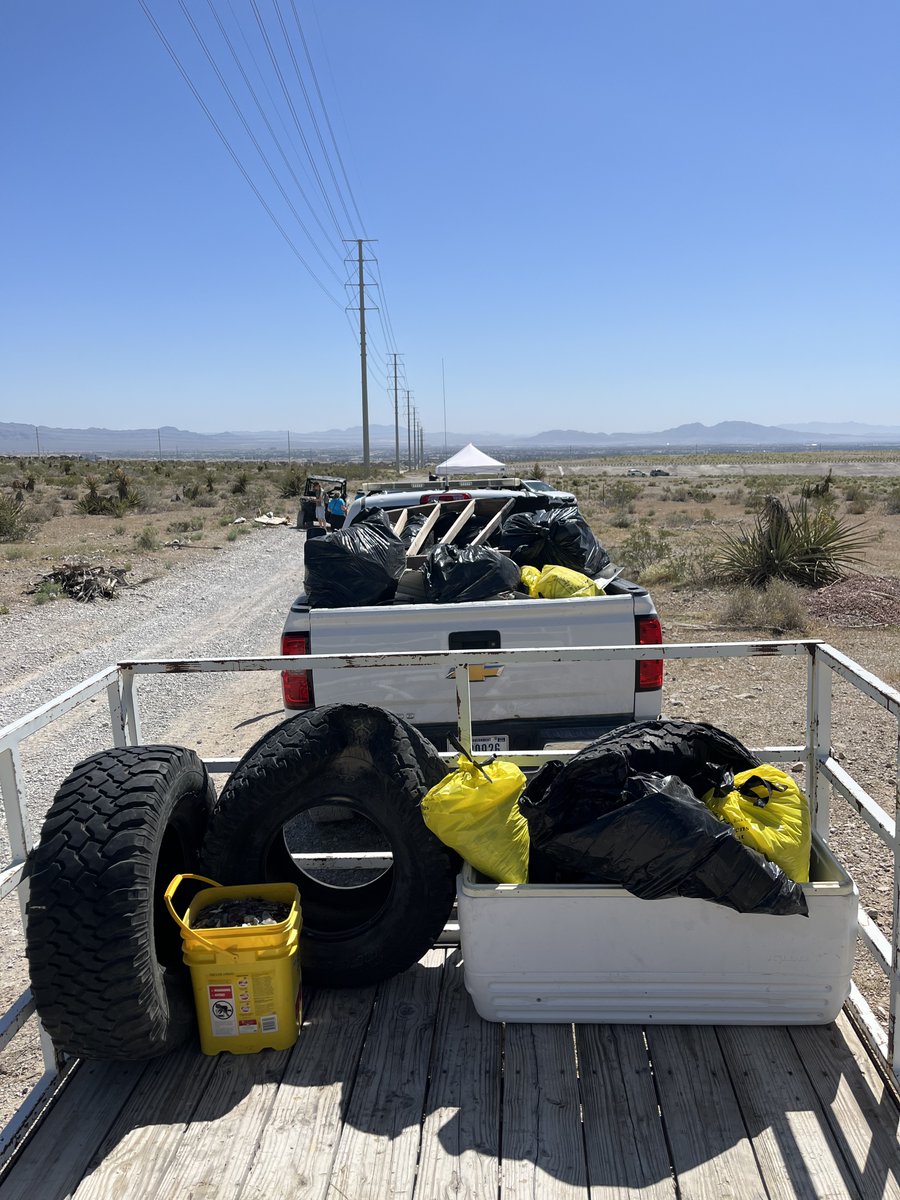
(369, 762)
(104, 954)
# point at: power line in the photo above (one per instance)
(225, 142)
(251, 134)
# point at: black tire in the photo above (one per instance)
(104, 953)
(367, 761)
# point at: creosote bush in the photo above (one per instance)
(776, 608)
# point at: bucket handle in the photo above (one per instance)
(168, 897)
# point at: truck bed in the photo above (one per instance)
(402, 1090)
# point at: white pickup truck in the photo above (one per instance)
(513, 708)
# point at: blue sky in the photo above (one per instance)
(600, 216)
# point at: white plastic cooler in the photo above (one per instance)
(591, 953)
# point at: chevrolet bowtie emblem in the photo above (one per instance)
(478, 674)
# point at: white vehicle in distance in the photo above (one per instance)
(530, 494)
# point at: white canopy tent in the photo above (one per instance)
(468, 461)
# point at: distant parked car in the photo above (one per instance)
(553, 494)
(635, 471)
(660, 471)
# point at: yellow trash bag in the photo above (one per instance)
(475, 812)
(559, 583)
(529, 577)
(770, 814)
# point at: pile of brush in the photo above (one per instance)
(82, 581)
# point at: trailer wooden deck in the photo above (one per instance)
(402, 1090)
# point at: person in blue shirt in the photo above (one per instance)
(336, 509)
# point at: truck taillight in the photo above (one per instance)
(296, 686)
(439, 497)
(648, 675)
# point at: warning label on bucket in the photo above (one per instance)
(222, 1015)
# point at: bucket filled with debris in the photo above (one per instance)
(242, 947)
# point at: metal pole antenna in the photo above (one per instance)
(362, 356)
(396, 421)
(444, 389)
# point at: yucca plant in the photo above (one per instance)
(808, 546)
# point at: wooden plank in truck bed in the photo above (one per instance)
(402, 1090)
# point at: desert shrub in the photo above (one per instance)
(15, 553)
(735, 496)
(622, 494)
(146, 539)
(292, 484)
(644, 546)
(178, 527)
(537, 471)
(892, 501)
(620, 519)
(48, 592)
(858, 506)
(210, 481)
(231, 535)
(119, 530)
(45, 511)
(801, 543)
(239, 487)
(777, 608)
(13, 525)
(205, 501)
(191, 491)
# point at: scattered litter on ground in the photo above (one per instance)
(270, 519)
(84, 582)
(859, 602)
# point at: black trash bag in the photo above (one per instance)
(454, 574)
(556, 537)
(412, 527)
(702, 756)
(350, 567)
(659, 840)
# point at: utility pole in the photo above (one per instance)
(289, 447)
(362, 356)
(37, 438)
(408, 432)
(396, 421)
(159, 443)
(422, 447)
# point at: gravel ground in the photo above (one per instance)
(234, 602)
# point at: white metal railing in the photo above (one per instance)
(823, 773)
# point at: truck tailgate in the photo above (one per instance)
(528, 691)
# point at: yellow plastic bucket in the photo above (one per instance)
(246, 979)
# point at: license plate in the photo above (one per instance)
(489, 743)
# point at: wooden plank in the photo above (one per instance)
(134, 1155)
(461, 1132)
(626, 1147)
(214, 1154)
(789, 1130)
(380, 1141)
(52, 1163)
(494, 523)
(299, 1142)
(862, 1114)
(457, 525)
(400, 523)
(711, 1153)
(423, 533)
(542, 1144)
